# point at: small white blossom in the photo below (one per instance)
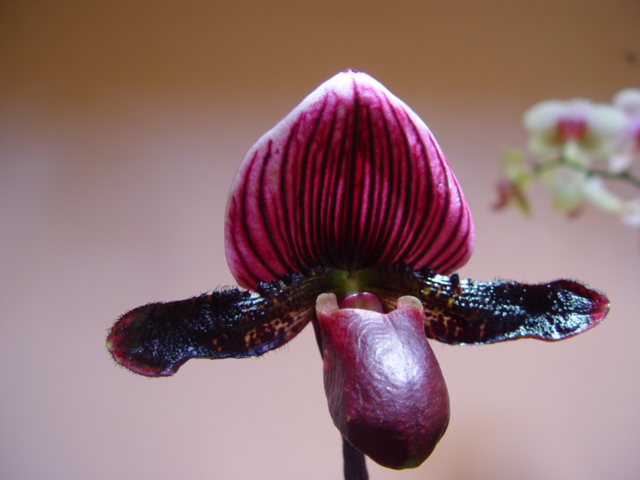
(566, 138)
(577, 130)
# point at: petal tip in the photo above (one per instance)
(326, 303)
(409, 301)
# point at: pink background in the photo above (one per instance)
(121, 126)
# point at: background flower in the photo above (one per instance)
(567, 141)
(578, 129)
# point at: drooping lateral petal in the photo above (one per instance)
(462, 311)
(351, 178)
(156, 339)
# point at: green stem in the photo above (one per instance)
(625, 176)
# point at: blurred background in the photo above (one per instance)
(121, 127)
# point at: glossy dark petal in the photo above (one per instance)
(459, 311)
(156, 339)
(351, 178)
(383, 383)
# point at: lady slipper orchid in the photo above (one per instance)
(347, 215)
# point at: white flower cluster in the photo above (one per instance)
(568, 139)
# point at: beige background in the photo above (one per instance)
(121, 126)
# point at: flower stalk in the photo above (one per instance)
(627, 176)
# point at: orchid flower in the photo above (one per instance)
(347, 215)
(566, 138)
(574, 133)
(577, 129)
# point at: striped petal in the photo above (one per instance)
(350, 179)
